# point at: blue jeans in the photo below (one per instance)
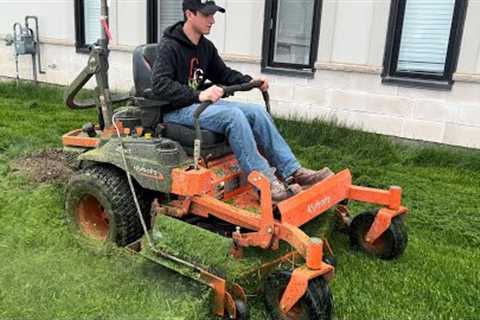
(248, 128)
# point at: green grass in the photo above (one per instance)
(45, 274)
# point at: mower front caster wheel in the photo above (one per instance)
(391, 243)
(316, 304)
(242, 311)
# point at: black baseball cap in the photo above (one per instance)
(204, 6)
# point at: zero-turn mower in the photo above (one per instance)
(177, 196)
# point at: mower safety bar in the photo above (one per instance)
(242, 87)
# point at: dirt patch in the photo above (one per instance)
(46, 166)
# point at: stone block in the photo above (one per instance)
(468, 114)
(376, 123)
(253, 95)
(461, 135)
(286, 110)
(433, 110)
(425, 93)
(371, 83)
(330, 79)
(315, 96)
(280, 92)
(253, 69)
(423, 130)
(286, 80)
(464, 92)
(370, 103)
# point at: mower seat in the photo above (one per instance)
(213, 144)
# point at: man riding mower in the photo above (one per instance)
(180, 197)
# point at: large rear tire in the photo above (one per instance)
(100, 208)
(316, 304)
(390, 245)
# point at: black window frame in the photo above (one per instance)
(392, 50)
(79, 10)
(152, 21)
(269, 25)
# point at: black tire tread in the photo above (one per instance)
(113, 182)
(317, 299)
(242, 310)
(396, 234)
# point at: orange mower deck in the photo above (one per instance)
(199, 192)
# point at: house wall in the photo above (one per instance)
(346, 86)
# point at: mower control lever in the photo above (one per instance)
(228, 91)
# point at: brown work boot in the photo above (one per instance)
(307, 177)
(280, 192)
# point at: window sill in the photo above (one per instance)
(304, 73)
(85, 50)
(418, 83)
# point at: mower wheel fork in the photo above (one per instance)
(298, 284)
(389, 245)
(227, 296)
(382, 222)
(315, 303)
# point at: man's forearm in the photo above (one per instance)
(177, 94)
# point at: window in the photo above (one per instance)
(160, 15)
(423, 42)
(290, 37)
(87, 23)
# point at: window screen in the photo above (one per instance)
(294, 31)
(425, 35)
(170, 12)
(92, 21)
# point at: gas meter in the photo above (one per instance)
(25, 41)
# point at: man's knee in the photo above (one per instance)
(256, 112)
(233, 114)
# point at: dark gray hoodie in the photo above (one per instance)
(181, 68)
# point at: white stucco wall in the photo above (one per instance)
(469, 59)
(55, 17)
(129, 22)
(346, 86)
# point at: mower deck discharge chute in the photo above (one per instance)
(178, 197)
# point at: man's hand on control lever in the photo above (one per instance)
(265, 85)
(213, 94)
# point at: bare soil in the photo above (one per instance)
(45, 166)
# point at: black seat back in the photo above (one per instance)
(143, 59)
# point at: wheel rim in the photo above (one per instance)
(92, 218)
(377, 247)
(297, 312)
